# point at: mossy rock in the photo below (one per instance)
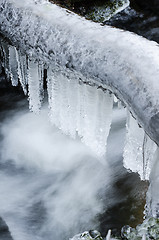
(97, 10)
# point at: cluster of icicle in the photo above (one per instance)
(78, 109)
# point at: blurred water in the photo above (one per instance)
(52, 187)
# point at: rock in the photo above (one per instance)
(146, 4)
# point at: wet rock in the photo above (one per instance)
(97, 10)
(145, 24)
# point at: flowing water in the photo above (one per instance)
(53, 187)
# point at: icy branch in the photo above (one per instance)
(118, 60)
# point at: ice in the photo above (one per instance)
(95, 113)
(22, 70)
(80, 109)
(121, 61)
(5, 57)
(139, 149)
(152, 202)
(85, 62)
(13, 65)
(35, 85)
(108, 237)
(54, 37)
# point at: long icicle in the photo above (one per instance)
(13, 65)
(22, 70)
(139, 149)
(35, 86)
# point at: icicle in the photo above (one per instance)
(94, 119)
(81, 109)
(149, 148)
(72, 105)
(95, 110)
(115, 99)
(103, 122)
(64, 105)
(139, 149)
(41, 80)
(22, 70)
(108, 237)
(133, 153)
(144, 237)
(53, 86)
(89, 118)
(152, 198)
(13, 65)
(5, 63)
(35, 85)
(78, 108)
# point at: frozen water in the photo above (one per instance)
(22, 71)
(152, 203)
(78, 108)
(120, 61)
(5, 57)
(35, 85)
(124, 62)
(139, 149)
(13, 65)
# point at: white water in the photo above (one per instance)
(51, 187)
(72, 111)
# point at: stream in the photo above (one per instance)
(53, 187)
